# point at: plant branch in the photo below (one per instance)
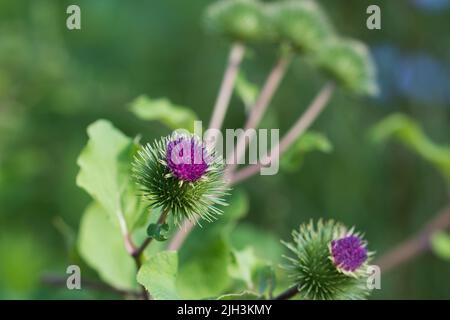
(302, 124)
(60, 281)
(297, 130)
(179, 238)
(258, 110)
(416, 244)
(137, 253)
(287, 294)
(226, 89)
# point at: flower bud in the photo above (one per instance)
(302, 24)
(240, 20)
(179, 174)
(329, 262)
(350, 64)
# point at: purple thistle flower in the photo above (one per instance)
(348, 253)
(187, 158)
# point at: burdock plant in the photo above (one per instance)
(180, 175)
(329, 262)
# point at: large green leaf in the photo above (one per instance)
(206, 255)
(257, 275)
(440, 243)
(105, 173)
(408, 132)
(204, 274)
(101, 246)
(158, 275)
(310, 141)
(243, 264)
(171, 115)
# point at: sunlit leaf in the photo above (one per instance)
(171, 115)
(101, 246)
(243, 264)
(105, 173)
(440, 243)
(158, 275)
(408, 132)
(203, 273)
(206, 254)
(310, 141)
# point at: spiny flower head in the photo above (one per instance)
(348, 253)
(187, 158)
(180, 174)
(329, 262)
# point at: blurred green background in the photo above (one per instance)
(55, 82)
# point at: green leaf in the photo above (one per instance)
(158, 231)
(247, 91)
(245, 295)
(105, 173)
(266, 246)
(206, 254)
(101, 245)
(349, 63)
(203, 268)
(171, 115)
(408, 132)
(243, 264)
(264, 277)
(440, 243)
(310, 141)
(158, 275)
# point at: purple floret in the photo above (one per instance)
(186, 159)
(348, 253)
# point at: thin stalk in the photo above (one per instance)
(258, 110)
(138, 252)
(412, 247)
(179, 238)
(288, 294)
(297, 130)
(226, 89)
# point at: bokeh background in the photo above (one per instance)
(55, 82)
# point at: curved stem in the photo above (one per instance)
(226, 89)
(302, 124)
(138, 252)
(297, 130)
(287, 294)
(415, 245)
(181, 235)
(257, 112)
